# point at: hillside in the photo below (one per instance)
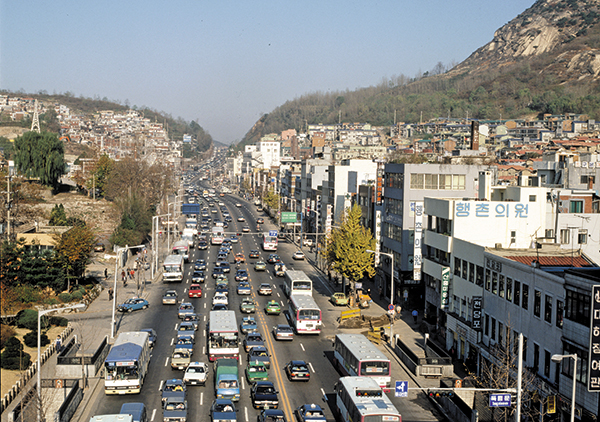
(546, 60)
(177, 127)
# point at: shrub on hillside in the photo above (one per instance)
(30, 339)
(6, 332)
(13, 356)
(58, 321)
(65, 297)
(27, 294)
(77, 295)
(27, 318)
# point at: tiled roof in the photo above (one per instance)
(553, 261)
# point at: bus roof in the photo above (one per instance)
(303, 301)
(296, 275)
(180, 244)
(361, 347)
(222, 321)
(128, 346)
(112, 418)
(368, 404)
(173, 260)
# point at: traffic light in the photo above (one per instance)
(434, 394)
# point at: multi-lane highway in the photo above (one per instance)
(316, 349)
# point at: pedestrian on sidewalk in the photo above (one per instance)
(123, 276)
(58, 344)
(398, 311)
(415, 314)
(110, 293)
(106, 273)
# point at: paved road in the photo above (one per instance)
(314, 349)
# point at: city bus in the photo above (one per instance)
(305, 314)
(217, 236)
(173, 269)
(181, 248)
(223, 336)
(269, 243)
(355, 356)
(126, 365)
(297, 283)
(361, 399)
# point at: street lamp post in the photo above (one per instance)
(114, 305)
(391, 291)
(154, 243)
(39, 352)
(169, 221)
(557, 359)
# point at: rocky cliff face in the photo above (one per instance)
(564, 31)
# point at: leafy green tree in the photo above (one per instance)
(347, 247)
(74, 249)
(99, 175)
(13, 356)
(58, 217)
(40, 155)
(271, 199)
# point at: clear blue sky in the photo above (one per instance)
(224, 63)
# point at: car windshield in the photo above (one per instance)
(223, 408)
(300, 368)
(265, 390)
(196, 369)
(175, 406)
(285, 329)
(274, 418)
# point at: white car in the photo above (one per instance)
(307, 242)
(298, 255)
(196, 373)
(238, 205)
(241, 219)
(220, 298)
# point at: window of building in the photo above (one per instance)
(479, 279)
(393, 206)
(431, 181)
(494, 282)
(575, 206)
(537, 303)
(471, 272)
(501, 285)
(536, 358)
(416, 181)
(517, 293)
(585, 179)
(549, 234)
(565, 236)
(547, 363)
(509, 286)
(515, 342)
(524, 348)
(582, 236)
(394, 180)
(548, 309)
(457, 266)
(487, 325)
(463, 308)
(488, 279)
(578, 307)
(559, 313)
(532, 198)
(500, 333)
(458, 182)
(392, 231)
(582, 362)
(493, 335)
(465, 268)
(525, 301)
(445, 182)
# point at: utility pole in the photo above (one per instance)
(8, 205)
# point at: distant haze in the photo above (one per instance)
(225, 63)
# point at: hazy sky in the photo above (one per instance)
(224, 63)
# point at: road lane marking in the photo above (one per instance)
(175, 327)
(201, 398)
(153, 414)
(246, 413)
(311, 367)
(160, 386)
(302, 347)
(172, 341)
(242, 379)
(166, 361)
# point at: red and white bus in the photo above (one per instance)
(356, 356)
(269, 242)
(305, 314)
(223, 335)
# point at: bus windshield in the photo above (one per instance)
(172, 268)
(121, 372)
(223, 340)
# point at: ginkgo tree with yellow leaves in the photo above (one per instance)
(347, 246)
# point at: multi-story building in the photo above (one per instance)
(406, 186)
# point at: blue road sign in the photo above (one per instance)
(500, 400)
(273, 233)
(401, 389)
